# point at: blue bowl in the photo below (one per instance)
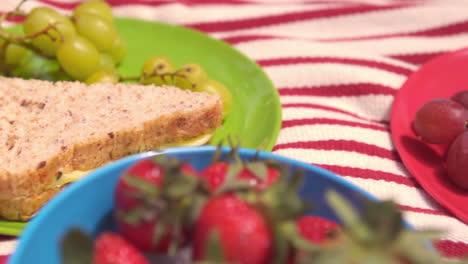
(87, 204)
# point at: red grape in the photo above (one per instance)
(457, 161)
(440, 121)
(461, 98)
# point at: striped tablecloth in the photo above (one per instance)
(337, 66)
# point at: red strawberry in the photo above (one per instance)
(215, 176)
(140, 202)
(316, 229)
(111, 248)
(243, 232)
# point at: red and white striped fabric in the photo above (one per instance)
(337, 66)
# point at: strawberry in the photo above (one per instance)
(316, 229)
(249, 226)
(150, 198)
(111, 248)
(244, 235)
(377, 235)
(215, 175)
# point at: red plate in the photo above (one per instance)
(439, 78)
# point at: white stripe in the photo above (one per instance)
(261, 49)
(344, 158)
(413, 197)
(298, 75)
(290, 113)
(7, 247)
(376, 107)
(335, 132)
(408, 20)
(400, 193)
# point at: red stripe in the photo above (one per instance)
(3, 259)
(247, 38)
(417, 59)
(456, 28)
(14, 19)
(344, 145)
(288, 18)
(452, 249)
(423, 210)
(360, 62)
(329, 121)
(370, 174)
(332, 109)
(355, 89)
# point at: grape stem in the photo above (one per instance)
(21, 40)
(129, 78)
(139, 78)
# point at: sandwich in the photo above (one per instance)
(52, 131)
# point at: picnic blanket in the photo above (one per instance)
(337, 66)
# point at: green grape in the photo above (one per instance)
(194, 73)
(181, 82)
(157, 80)
(14, 54)
(3, 45)
(106, 63)
(41, 17)
(33, 66)
(168, 79)
(102, 77)
(60, 75)
(78, 57)
(99, 8)
(98, 30)
(118, 49)
(157, 65)
(214, 87)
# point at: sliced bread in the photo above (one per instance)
(49, 129)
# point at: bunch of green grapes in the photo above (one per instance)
(159, 70)
(86, 47)
(59, 47)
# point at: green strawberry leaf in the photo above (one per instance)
(218, 153)
(384, 219)
(181, 187)
(142, 185)
(133, 216)
(411, 245)
(259, 169)
(159, 231)
(214, 251)
(77, 248)
(348, 216)
(160, 159)
(233, 170)
(290, 233)
(198, 201)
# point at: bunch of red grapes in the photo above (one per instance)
(445, 121)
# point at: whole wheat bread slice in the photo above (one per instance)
(48, 129)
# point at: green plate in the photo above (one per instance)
(256, 114)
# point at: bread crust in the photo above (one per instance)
(21, 196)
